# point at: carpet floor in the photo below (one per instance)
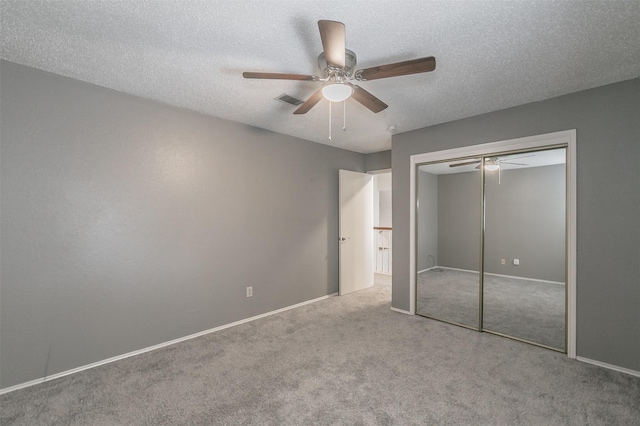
(526, 309)
(346, 360)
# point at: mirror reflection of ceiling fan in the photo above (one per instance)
(337, 65)
(492, 163)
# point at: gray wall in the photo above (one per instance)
(377, 161)
(127, 223)
(459, 220)
(427, 220)
(525, 219)
(607, 120)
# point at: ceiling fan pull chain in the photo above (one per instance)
(330, 120)
(344, 115)
(499, 175)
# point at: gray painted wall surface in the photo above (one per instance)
(459, 220)
(377, 161)
(427, 221)
(607, 120)
(127, 223)
(525, 219)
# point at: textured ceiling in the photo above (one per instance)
(490, 55)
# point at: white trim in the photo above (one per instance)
(379, 172)
(572, 232)
(412, 235)
(158, 346)
(609, 366)
(525, 278)
(568, 138)
(493, 275)
(457, 269)
(402, 311)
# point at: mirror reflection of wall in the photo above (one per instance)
(524, 248)
(524, 222)
(449, 214)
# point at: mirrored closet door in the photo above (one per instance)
(524, 247)
(449, 215)
(491, 244)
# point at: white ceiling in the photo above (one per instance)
(491, 54)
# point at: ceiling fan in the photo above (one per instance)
(337, 66)
(492, 163)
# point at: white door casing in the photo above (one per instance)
(356, 231)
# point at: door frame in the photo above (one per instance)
(565, 138)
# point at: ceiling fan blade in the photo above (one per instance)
(516, 164)
(414, 66)
(279, 76)
(466, 163)
(367, 99)
(333, 38)
(309, 103)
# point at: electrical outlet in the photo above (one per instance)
(503, 262)
(249, 291)
(516, 262)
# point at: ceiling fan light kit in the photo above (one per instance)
(337, 92)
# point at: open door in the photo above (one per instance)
(356, 231)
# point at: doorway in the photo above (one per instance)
(382, 226)
(365, 240)
(483, 223)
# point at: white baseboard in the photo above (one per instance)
(444, 267)
(402, 311)
(455, 269)
(494, 275)
(609, 366)
(158, 346)
(524, 278)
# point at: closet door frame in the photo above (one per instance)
(566, 139)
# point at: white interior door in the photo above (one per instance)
(356, 231)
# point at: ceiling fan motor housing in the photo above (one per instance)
(350, 61)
